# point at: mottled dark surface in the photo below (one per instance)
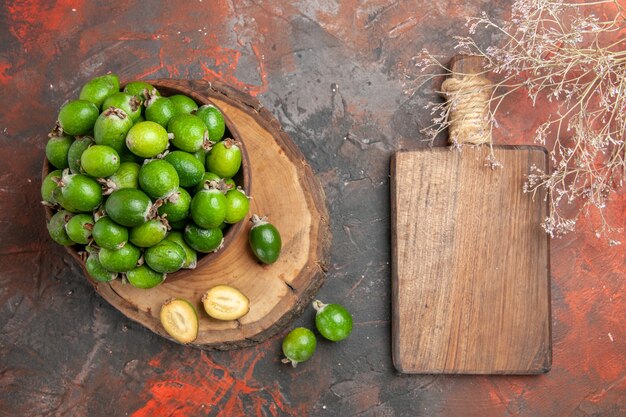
(332, 73)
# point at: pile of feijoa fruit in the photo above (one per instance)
(143, 183)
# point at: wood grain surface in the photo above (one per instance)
(470, 276)
(287, 192)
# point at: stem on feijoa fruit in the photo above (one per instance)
(207, 143)
(287, 360)
(258, 221)
(318, 305)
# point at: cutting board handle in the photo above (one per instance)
(468, 94)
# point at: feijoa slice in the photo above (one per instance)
(144, 277)
(95, 269)
(130, 104)
(224, 302)
(99, 88)
(129, 207)
(183, 104)
(180, 320)
(176, 207)
(191, 256)
(204, 240)
(56, 227)
(214, 120)
(76, 151)
(265, 240)
(57, 150)
(189, 169)
(79, 228)
(224, 159)
(148, 234)
(108, 234)
(121, 260)
(158, 178)
(165, 257)
(78, 117)
(111, 129)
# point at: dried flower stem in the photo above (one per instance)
(559, 50)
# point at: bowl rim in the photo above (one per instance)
(232, 231)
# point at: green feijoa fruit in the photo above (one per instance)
(183, 104)
(79, 228)
(56, 227)
(159, 110)
(180, 320)
(208, 208)
(237, 205)
(126, 176)
(57, 197)
(140, 119)
(214, 120)
(108, 234)
(203, 240)
(176, 207)
(165, 257)
(128, 207)
(189, 169)
(190, 133)
(333, 321)
(95, 269)
(299, 345)
(141, 90)
(265, 240)
(99, 88)
(207, 177)
(158, 178)
(222, 226)
(179, 225)
(100, 161)
(200, 155)
(49, 184)
(224, 159)
(191, 256)
(111, 128)
(147, 139)
(121, 260)
(128, 103)
(57, 150)
(229, 183)
(80, 192)
(76, 151)
(78, 117)
(148, 234)
(144, 277)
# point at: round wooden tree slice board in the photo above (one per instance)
(283, 188)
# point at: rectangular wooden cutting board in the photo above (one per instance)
(470, 263)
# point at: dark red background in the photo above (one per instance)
(333, 74)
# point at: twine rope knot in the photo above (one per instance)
(468, 98)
